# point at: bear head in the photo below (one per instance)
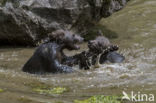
(68, 39)
(98, 44)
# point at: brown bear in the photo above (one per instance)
(48, 56)
(101, 48)
(100, 51)
(105, 50)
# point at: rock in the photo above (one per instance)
(25, 22)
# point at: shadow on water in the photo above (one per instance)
(136, 29)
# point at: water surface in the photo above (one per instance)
(136, 28)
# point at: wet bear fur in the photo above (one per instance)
(47, 58)
(107, 51)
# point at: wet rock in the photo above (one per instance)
(24, 22)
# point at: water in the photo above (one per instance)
(136, 27)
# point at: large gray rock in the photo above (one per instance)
(24, 22)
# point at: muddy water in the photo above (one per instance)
(136, 28)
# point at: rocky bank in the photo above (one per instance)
(25, 22)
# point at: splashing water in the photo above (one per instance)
(136, 27)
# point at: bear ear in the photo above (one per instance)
(52, 35)
(58, 34)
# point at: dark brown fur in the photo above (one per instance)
(48, 56)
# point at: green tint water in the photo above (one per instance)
(135, 23)
(136, 29)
